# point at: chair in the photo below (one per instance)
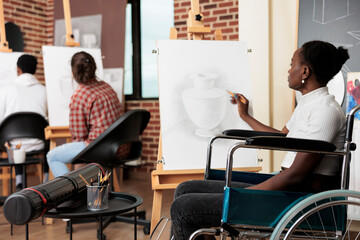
(259, 214)
(117, 145)
(24, 125)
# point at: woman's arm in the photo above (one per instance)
(294, 177)
(243, 104)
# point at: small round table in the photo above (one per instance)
(29, 161)
(5, 163)
(118, 203)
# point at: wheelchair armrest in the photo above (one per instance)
(294, 144)
(249, 133)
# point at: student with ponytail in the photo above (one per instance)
(94, 106)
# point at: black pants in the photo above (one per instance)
(198, 204)
(19, 169)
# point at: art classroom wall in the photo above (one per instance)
(113, 25)
(194, 103)
(337, 22)
(270, 30)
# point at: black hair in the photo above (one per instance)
(324, 59)
(27, 63)
(83, 67)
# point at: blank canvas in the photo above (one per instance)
(8, 67)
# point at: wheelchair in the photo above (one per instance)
(260, 214)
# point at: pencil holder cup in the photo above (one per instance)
(10, 155)
(19, 156)
(97, 197)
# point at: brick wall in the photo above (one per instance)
(36, 21)
(218, 14)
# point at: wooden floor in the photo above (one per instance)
(139, 184)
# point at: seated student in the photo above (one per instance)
(94, 106)
(25, 94)
(198, 204)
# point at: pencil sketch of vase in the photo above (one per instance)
(205, 104)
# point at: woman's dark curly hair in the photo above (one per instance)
(324, 59)
(83, 67)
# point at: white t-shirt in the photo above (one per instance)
(318, 116)
(25, 94)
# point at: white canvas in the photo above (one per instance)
(59, 82)
(8, 67)
(115, 78)
(189, 115)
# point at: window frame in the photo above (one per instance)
(136, 50)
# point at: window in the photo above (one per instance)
(146, 22)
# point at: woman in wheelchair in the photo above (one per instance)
(198, 203)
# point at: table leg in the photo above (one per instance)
(156, 210)
(101, 227)
(49, 221)
(27, 231)
(70, 233)
(11, 191)
(24, 176)
(11, 179)
(135, 224)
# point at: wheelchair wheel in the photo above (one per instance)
(326, 215)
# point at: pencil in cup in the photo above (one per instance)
(242, 100)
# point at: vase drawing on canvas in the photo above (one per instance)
(205, 104)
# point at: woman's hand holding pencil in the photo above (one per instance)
(242, 103)
(236, 97)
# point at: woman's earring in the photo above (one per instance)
(303, 81)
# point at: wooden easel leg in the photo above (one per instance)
(5, 179)
(118, 174)
(49, 221)
(173, 33)
(156, 210)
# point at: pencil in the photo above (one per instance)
(87, 183)
(242, 100)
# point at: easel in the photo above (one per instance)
(62, 132)
(53, 133)
(4, 47)
(70, 41)
(170, 179)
